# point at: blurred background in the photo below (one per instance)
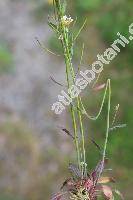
(34, 153)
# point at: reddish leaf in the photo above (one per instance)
(69, 184)
(57, 197)
(99, 87)
(107, 191)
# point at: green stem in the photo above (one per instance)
(108, 122)
(107, 128)
(67, 44)
(78, 104)
(68, 70)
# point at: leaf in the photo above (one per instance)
(107, 191)
(98, 170)
(74, 170)
(52, 78)
(63, 8)
(45, 48)
(99, 87)
(117, 126)
(68, 183)
(53, 26)
(57, 196)
(103, 180)
(67, 132)
(119, 194)
(80, 30)
(97, 145)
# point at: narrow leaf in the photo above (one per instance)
(67, 132)
(55, 81)
(117, 126)
(80, 29)
(53, 26)
(103, 180)
(74, 170)
(119, 194)
(45, 48)
(99, 87)
(98, 147)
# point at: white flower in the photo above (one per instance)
(66, 20)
